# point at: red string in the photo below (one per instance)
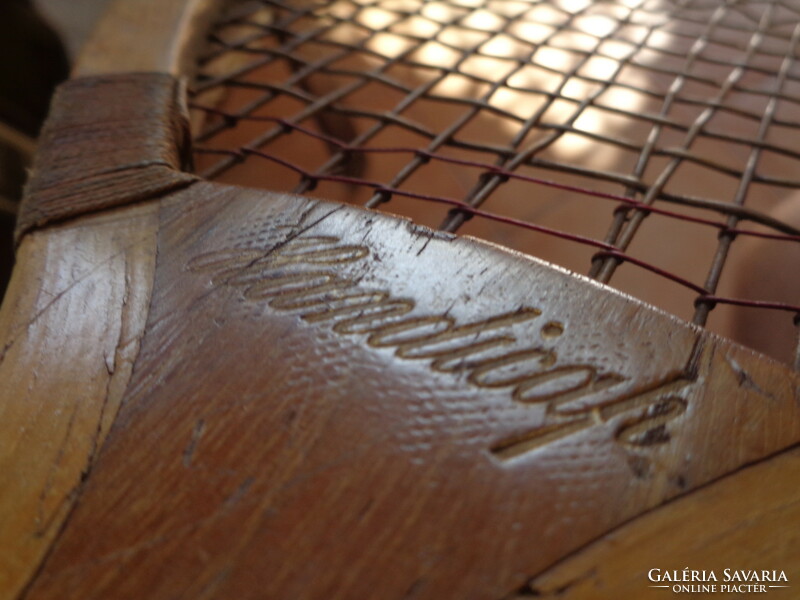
(750, 303)
(606, 250)
(631, 202)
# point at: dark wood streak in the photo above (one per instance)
(300, 276)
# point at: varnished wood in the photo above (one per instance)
(146, 35)
(70, 324)
(745, 521)
(278, 441)
(224, 393)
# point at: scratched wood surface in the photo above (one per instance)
(70, 328)
(326, 404)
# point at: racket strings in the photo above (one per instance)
(478, 109)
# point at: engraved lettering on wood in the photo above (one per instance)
(645, 415)
(304, 276)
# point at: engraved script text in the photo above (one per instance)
(304, 276)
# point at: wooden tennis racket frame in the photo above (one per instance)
(429, 479)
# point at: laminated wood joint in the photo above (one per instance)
(110, 140)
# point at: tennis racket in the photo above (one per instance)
(253, 346)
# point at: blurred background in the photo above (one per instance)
(73, 19)
(40, 40)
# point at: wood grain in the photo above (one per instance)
(146, 36)
(326, 404)
(225, 393)
(70, 324)
(744, 521)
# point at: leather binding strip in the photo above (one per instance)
(110, 141)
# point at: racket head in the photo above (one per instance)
(639, 143)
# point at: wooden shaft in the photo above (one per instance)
(146, 36)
